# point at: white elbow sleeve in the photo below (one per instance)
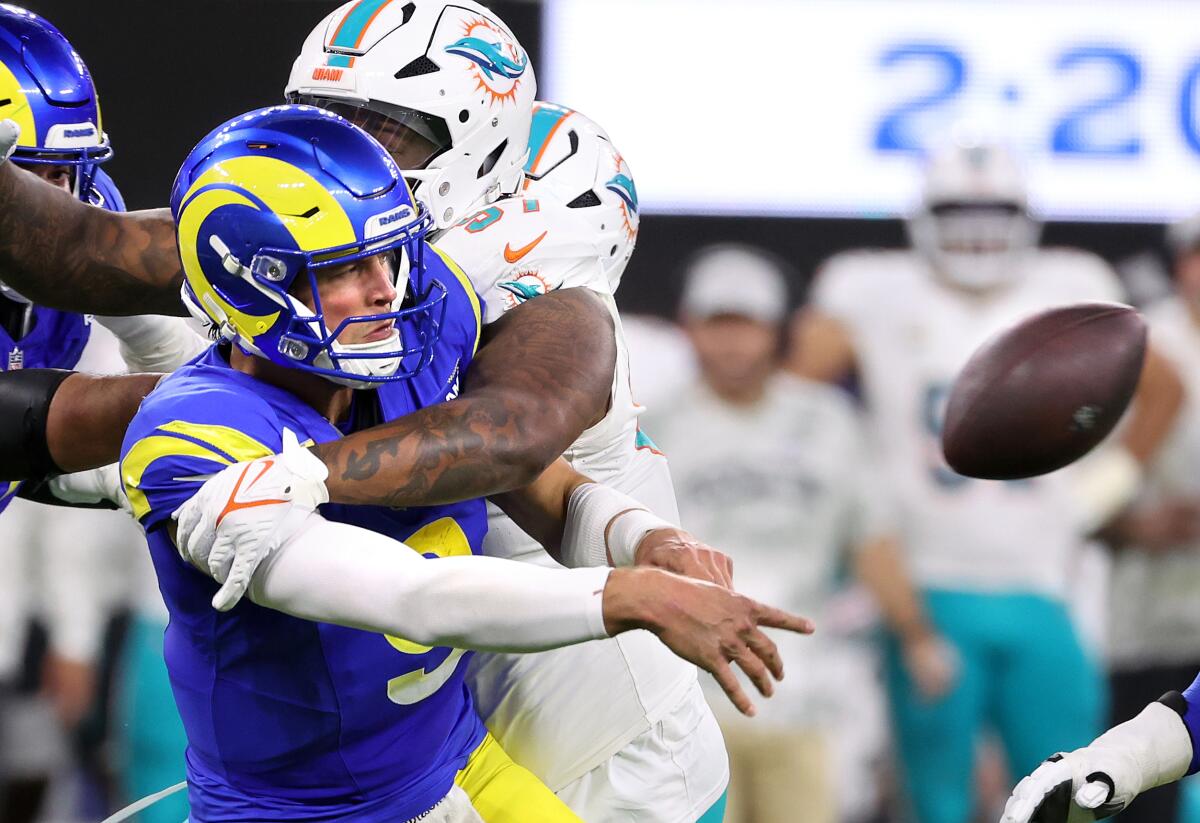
(375, 583)
(151, 343)
(605, 525)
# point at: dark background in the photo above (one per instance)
(168, 72)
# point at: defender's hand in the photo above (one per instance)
(677, 551)
(246, 511)
(703, 623)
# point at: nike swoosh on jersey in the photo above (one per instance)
(513, 255)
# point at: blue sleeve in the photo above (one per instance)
(1191, 719)
(182, 435)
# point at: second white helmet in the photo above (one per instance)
(973, 224)
(445, 86)
(574, 160)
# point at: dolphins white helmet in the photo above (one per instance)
(444, 86)
(973, 223)
(573, 159)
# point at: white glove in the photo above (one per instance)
(1100, 780)
(245, 512)
(92, 486)
(10, 132)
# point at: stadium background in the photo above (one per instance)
(168, 72)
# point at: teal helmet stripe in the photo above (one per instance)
(354, 25)
(545, 118)
(342, 60)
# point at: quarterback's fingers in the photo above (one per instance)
(728, 682)
(779, 619)
(764, 649)
(749, 662)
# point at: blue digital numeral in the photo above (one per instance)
(1187, 107)
(898, 129)
(1076, 131)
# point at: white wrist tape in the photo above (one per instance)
(592, 510)
(1105, 483)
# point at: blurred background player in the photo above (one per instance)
(993, 560)
(774, 466)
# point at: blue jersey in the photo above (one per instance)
(57, 338)
(286, 718)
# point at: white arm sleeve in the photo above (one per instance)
(338, 573)
(152, 343)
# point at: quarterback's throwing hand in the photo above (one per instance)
(677, 551)
(243, 513)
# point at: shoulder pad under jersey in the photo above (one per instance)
(521, 247)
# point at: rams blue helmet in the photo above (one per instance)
(279, 193)
(46, 88)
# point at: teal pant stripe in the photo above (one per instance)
(716, 812)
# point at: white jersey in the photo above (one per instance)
(911, 334)
(1154, 612)
(784, 487)
(563, 712)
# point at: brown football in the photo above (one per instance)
(1044, 392)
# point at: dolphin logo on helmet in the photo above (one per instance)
(489, 57)
(622, 186)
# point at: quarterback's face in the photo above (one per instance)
(365, 286)
(58, 176)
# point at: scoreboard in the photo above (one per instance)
(825, 107)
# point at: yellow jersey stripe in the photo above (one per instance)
(465, 282)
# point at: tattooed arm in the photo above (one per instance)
(61, 253)
(541, 378)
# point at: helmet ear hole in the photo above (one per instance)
(586, 200)
(490, 161)
(416, 68)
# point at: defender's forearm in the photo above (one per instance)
(543, 377)
(61, 253)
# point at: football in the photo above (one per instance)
(1044, 392)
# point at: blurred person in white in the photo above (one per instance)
(774, 465)
(64, 572)
(1154, 627)
(993, 560)
(661, 359)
